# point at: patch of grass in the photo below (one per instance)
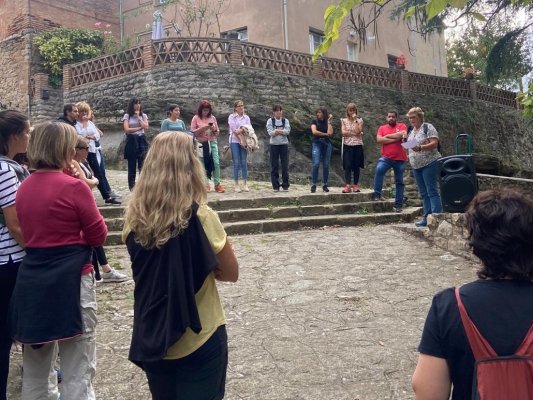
(362, 211)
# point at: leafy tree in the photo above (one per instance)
(470, 47)
(426, 16)
(62, 46)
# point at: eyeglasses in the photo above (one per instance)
(82, 147)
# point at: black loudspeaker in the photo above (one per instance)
(458, 182)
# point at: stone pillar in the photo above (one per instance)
(148, 55)
(40, 82)
(473, 89)
(235, 52)
(317, 69)
(67, 78)
(404, 80)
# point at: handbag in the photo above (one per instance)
(226, 153)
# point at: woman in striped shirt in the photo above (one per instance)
(14, 137)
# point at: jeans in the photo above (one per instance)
(216, 162)
(99, 173)
(279, 152)
(426, 180)
(321, 151)
(77, 356)
(199, 376)
(239, 156)
(383, 165)
(8, 277)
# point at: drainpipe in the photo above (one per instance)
(30, 58)
(285, 26)
(121, 22)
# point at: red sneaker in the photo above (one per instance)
(347, 189)
(356, 188)
(219, 188)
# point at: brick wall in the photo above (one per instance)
(47, 14)
(10, 11)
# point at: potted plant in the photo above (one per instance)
(400, 62)
(469, 73)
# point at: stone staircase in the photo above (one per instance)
(263, 213)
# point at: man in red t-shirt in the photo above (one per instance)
(393, 156)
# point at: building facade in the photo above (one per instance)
(295, 25)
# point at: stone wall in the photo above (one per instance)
(497, 131)
(491, 182)
(14, 73)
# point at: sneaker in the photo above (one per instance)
(347, 189)
(356, 188)
(236, 189)
(219, 188)
(397, 209)
(376, 197)
(286, 189)
(423, 222)
(114, 276)
(115, 195)
(113, 200)
(325, 188)
(313, 189)
(275, 189)
(245, 188)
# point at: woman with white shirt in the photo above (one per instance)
(86, 128)
(238, 145)
(135, 122)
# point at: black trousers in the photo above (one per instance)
(199, 376)
(133, 164)
(352, 160)
(8, 277)
(279, 152)
(98, 258)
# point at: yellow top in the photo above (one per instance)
(207, 299)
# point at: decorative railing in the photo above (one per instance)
(170, 51)
(341, 70)
(106, 67)
(493, 95)
(271, 58)
(233, 52)
(438, 85)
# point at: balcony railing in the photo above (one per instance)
(233, 52)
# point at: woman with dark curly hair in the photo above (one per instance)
(500, 226)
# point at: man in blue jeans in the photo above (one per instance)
(393, 156)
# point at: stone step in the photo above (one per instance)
(280, 199)
(303, 222)
(291, 211)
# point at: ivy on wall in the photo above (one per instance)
(62, 46)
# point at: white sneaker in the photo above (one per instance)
(237, 189)
(245, 188)
(114, 276)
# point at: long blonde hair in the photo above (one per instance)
(172, 179)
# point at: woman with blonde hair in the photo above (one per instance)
(423, 159)
(86, 128)
(54, 301)
(178, 248)
(353, 158)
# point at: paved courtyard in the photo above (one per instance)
(334, 313)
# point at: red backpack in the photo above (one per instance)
(495, 377)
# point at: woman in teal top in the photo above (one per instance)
(173, 122)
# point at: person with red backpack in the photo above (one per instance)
(478, 338)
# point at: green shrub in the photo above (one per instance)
(62, 46)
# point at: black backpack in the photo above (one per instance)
(274, 123)
(426, 129)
